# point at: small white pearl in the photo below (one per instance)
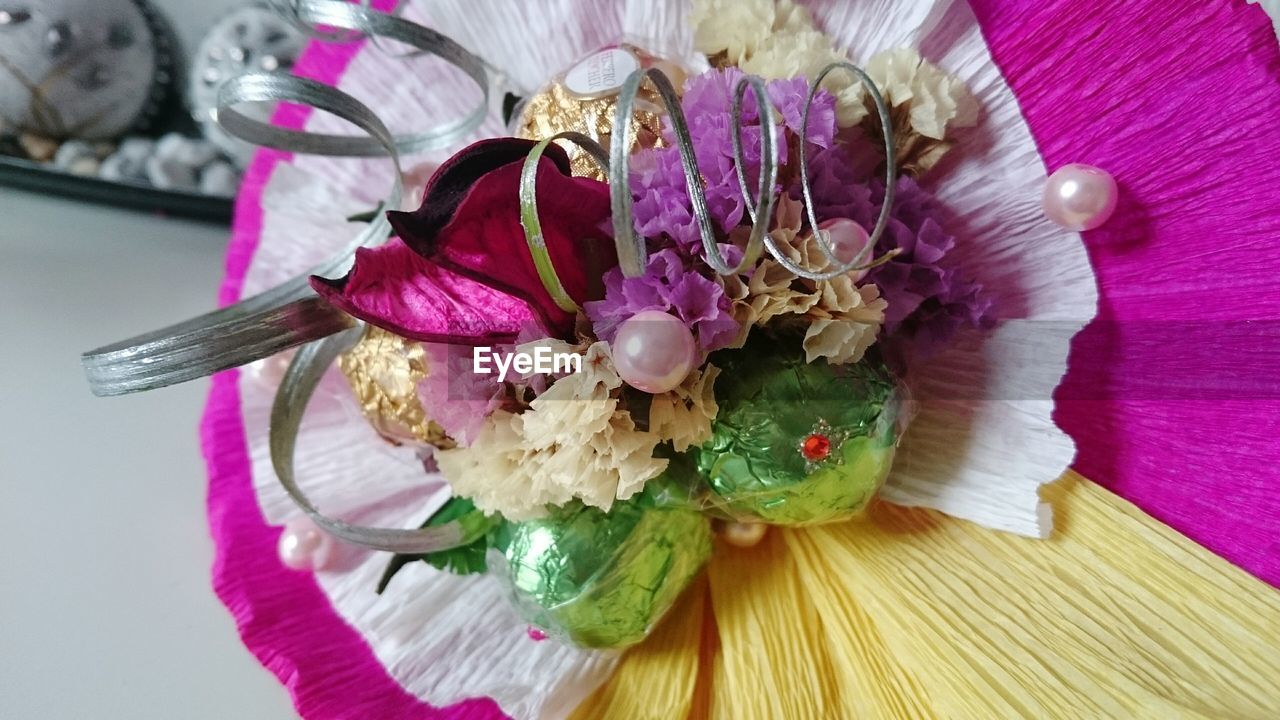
(675, 73)
(654, 351)
(847, 238)
(1080, 197)
(304, 546)
(744, 535)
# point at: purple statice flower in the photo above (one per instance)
(929, 299)
(662, 206)
(669, 285)
(454, 395)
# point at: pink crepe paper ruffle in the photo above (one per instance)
(283, 616)
(1173, 394)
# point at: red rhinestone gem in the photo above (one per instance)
(815, 447)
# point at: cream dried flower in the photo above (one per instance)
(732, 27)
(844, 324)
(925, 104)
(842, 318)
(573, 442)
(683, 416)
(937, 100)
(805, 54)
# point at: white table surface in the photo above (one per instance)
(106, 608)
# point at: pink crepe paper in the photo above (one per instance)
(283, 616)
(1171, 396)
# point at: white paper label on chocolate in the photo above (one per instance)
(602, 73)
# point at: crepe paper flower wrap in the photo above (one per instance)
(908, 612)
(1273, 8)
(461, 271)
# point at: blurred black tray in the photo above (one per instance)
(27, 175)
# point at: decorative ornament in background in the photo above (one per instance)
(87, 69)
(253, 38)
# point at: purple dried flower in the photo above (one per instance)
(929, 301)
(662, 206)
(669, 284)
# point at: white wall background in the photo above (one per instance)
(106, 609)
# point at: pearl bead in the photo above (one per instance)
(535, 634)
(304, 546)
(654, 351)
(847, 238)
(1080, 197)
(675, 73)
(744, 534)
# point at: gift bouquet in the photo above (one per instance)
(692, 368)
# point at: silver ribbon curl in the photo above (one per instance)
(299, 384)
(290, 314)
(632, 250)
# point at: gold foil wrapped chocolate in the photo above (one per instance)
(384, 370)
(584, 99)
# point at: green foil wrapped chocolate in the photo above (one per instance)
(603, 580)
(799, 443)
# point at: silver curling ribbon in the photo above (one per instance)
(289, 314)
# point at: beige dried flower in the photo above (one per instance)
(842, 318)
(574, 441)
(775, 41)
(926, 104)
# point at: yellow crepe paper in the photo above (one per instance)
(913, 614)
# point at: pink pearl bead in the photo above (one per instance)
(674, 72)
(535, 634)
(847, 239)
(744, 535)
(1080, 197)
(303, 546)
(654, 351)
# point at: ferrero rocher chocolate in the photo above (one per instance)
(604, 579)
(384, 370)
(584, 99)
(799, 443)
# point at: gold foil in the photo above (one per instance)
(556, 109)
(384, 370)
